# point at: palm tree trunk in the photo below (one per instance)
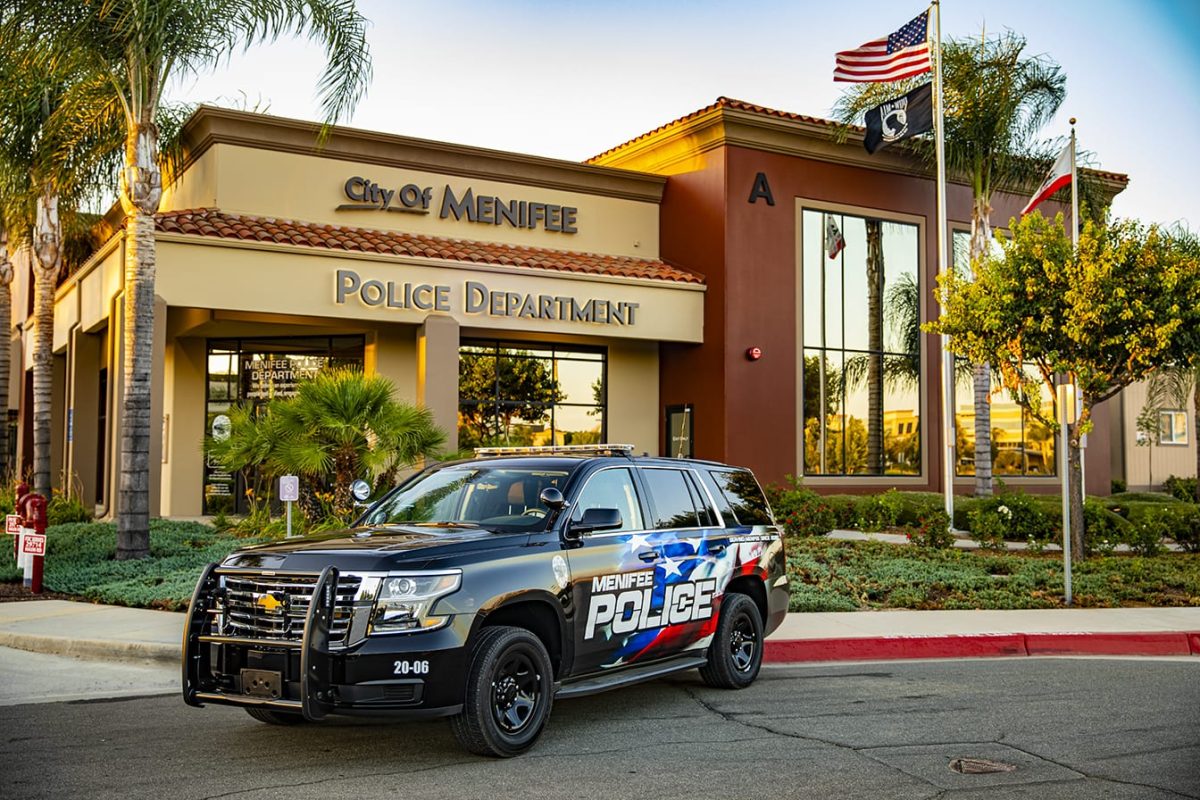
(47, 251)
(141, 190)
(6, 276)
(981, 232)
(875, 346)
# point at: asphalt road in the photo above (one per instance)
(1073, 728)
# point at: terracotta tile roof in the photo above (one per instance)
(216, 223)
(742, 105)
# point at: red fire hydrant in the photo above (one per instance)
(29, 545)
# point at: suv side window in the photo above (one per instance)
(744, 496)
(676, 500)
(611, 488)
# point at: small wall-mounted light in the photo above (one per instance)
(754, 354)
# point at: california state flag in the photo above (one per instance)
(1060, 176)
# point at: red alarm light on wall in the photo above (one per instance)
(754, 354)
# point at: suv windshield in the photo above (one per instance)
(502, 499)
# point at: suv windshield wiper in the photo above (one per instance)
(439, 524)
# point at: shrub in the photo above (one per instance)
(1141, 497)
(879, 511)
(1186, 532)
(1104, 529)
(1146, 535)
(990, 526)
(1183, 489)
(63, 509)
(801, 511)
(844, 508)
(932, 530)
(1118, 485)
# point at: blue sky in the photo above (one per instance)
(570, 79)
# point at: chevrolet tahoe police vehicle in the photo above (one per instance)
(484, 590)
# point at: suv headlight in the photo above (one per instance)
(405, 599)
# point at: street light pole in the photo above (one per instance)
(1066, 405)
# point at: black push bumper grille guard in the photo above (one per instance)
(316, 656)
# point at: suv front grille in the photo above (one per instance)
(274, 607)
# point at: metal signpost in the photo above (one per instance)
(1066, 407)
(289, 492)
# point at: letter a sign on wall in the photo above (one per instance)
(761, 189)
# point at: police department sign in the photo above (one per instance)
(477, 298)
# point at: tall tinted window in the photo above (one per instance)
(862, 346)
(1021, 445)
(675, 500)
(521, 394)
(744, 496)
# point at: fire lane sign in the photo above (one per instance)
(33, 544)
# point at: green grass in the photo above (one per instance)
(847, 576)
(80, 560)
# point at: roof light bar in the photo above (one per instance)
(558, 450)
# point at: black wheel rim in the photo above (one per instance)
(743, 644)
(516, 692)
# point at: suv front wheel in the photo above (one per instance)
(736, 653)
(510, 688)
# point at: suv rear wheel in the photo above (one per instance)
(736, 653)
(510, 689)
(273, 717)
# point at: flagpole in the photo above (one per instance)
(1075, 248)
(942, 234)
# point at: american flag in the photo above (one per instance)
(902, 54)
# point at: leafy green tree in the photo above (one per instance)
(494, 390)
(997, 99)
(139, 46)
(1109, 314)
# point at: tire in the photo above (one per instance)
(273, 717)
(510, 689)
(736, 653)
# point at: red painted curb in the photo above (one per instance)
(887, 648)
(892, 647)
(1108, 644)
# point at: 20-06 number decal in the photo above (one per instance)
(411, 668)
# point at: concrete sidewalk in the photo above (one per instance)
(85, 630)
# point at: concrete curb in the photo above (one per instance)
(888, 648)
(102, 649)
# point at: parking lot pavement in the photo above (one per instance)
(1069, 728)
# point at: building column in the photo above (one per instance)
(437, 374)
(184, 424)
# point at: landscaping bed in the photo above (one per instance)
(832, 575)
(81, 563)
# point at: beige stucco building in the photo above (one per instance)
(278, 256)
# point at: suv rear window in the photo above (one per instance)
(675, 499)
(744, 496)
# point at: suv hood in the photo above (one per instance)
(370, 548)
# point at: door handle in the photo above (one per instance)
(649, 555)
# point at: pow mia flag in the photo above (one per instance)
(900, 118)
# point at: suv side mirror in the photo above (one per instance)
(594, 519)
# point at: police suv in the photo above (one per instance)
(484, 590)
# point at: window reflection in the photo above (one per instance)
(1021, 444)
(862, 341)
(529, 395)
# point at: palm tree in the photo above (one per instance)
(997, 99)
(6, 276)
(43, 182)
(343, 425)
(139, 46)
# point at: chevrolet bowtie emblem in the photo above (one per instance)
(268, 603)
